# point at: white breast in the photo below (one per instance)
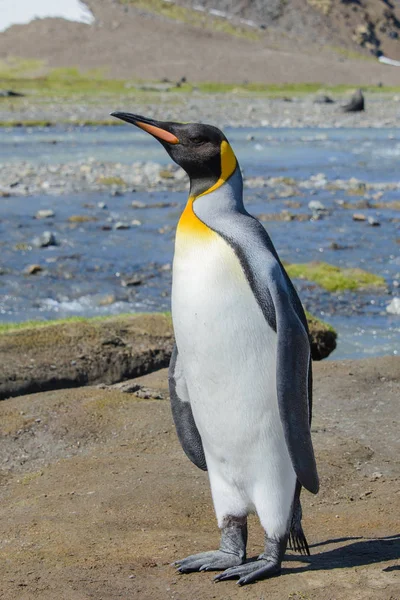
(227, 348)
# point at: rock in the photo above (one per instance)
(323, 99)
(47, 238)
(135, 280)
(44, 213)
(10, 94)
(394, 307)
(107, 300)
(138, 204)
(102, 205)
(136, 223)
(373, 222)
(163, 205)
(356, 103)
(121, 225)
(33, 269)
(359, 217)
(316, 205)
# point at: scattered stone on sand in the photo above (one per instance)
(68, 178)
(356, 103)
(47, 238)
(44, 213)
(394, 307)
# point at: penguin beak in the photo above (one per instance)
(155, 128)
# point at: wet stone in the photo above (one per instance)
(373, 222)
(47, 238)
(45, 213)
(121, 225)
(394, 307)
(359, 217)
(33, 269)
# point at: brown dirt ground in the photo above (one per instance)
(97, 497)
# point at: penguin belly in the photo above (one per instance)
(228, 352)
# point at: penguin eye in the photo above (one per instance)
(197, 140)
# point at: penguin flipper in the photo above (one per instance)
(282, 309)
(186, 429)
(292, 380)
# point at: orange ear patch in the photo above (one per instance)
(159, 133)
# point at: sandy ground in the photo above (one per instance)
(97, 497)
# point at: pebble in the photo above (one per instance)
(47, 238)
(394, 307)
(68, 178)
(316, 205)
(135, 280)
(359, 217)
(44, 213)
(33, 269)
(121, 225)
(373, 222)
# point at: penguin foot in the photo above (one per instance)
(215, 560)
(267, 564)
(251, 571)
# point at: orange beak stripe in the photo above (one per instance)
(159, 133)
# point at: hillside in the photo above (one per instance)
(272, 41)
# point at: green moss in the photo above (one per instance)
(15, 67)
(81, 123)
(26, 123)
(81, 219)
(333, 278)
(111, 181)
(11, 327)
(318, 323)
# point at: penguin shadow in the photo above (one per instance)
(360, 552)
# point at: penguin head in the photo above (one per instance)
(201, 150)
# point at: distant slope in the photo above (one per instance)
(373, 25)
(154, 39)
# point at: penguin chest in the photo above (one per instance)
(227, 348)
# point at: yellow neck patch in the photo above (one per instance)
(189, 223)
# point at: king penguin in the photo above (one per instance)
(240, 373)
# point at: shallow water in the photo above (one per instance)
(87, 272)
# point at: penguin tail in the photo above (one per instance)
(297, 540)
